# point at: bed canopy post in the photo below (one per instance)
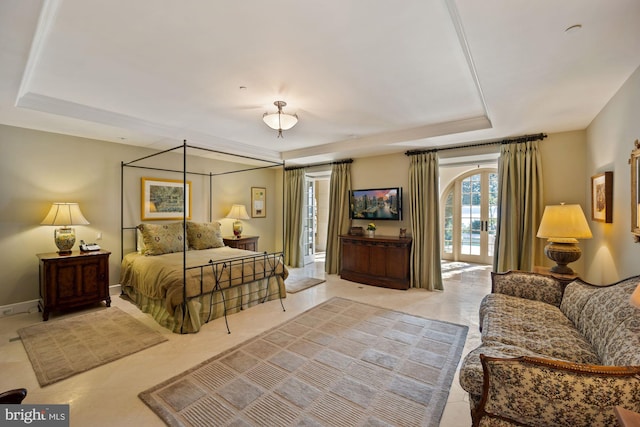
(210, 197)
(184, 232)
(121, 210)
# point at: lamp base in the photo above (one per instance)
(237, 229)
(65, 238)
(562, 254)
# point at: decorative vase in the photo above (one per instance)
(65, 238)
(237, 228)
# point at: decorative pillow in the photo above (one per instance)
(162, 239)
(204, 235)
(140, 242)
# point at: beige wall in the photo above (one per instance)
(38, 168)
(378, 172)
(612, 255)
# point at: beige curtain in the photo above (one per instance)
(520, 207)
(424, 208)
(339, 222)
(293, 202)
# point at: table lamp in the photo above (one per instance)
(562, 225)
(635, 297)
(238, 212)
(64, 215)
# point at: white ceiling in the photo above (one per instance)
(366, 77)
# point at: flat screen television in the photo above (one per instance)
(376, 204)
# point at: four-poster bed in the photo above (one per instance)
(182, 273)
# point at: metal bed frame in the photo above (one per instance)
(270, 261)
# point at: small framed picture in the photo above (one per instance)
(602, 197)
(164, 199)
(258, 202)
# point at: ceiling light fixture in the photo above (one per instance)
(280, 121)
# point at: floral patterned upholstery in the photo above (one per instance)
(537, 392)
(536, 326)
(526, 285)
(554, 357)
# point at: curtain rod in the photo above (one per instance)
(337, 162)
(517, 139)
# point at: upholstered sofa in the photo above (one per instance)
(552, 355)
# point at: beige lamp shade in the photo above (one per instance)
(238, 212)
(564, 224)
(64, 215)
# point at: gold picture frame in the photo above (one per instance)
(258, 202)
(634, 162)
(163, 199)
(602, 197)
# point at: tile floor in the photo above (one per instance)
(107, 395)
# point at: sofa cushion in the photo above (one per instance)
(624, 343)
(603, 315)
(576, 295)
(538, 327)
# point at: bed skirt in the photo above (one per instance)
(205, 308)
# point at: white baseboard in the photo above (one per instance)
(32, 306)
(19, 307)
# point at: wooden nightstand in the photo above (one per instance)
(249, 243)
(67, 281)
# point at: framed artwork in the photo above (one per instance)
(258, 202)
(163, 199)
(602, 197)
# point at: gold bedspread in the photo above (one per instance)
(160, 277)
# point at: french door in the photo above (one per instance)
(309, 221)
(470, 217)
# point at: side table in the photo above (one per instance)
(72, 280)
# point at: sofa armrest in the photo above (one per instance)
(527, 285)
(535, 391)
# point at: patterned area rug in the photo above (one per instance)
(295, 284)
(61, 348)
(341, 363)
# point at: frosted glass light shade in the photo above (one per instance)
(280, 121)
